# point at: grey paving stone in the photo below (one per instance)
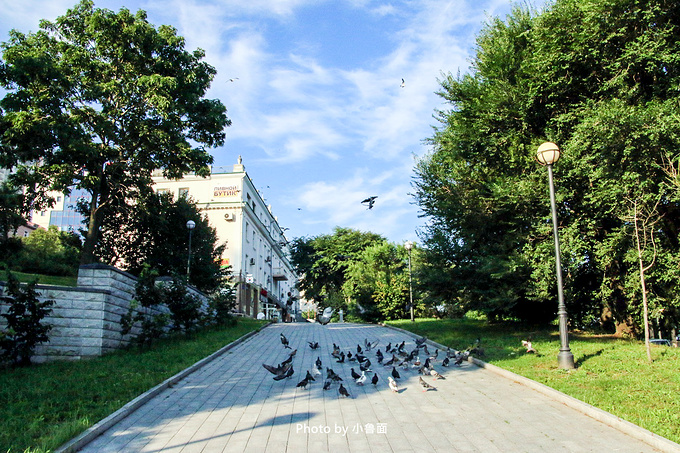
(233, 404)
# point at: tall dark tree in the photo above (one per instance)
(11, 210)
(97, 100)
(153, 232)
(599, 79)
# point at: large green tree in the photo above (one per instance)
(322, 262)
(600, 79)
(152, 232)
(98, 100)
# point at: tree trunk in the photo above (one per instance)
(643, 285)
(100, 197)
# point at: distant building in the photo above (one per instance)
(256, 248)
(63, 214)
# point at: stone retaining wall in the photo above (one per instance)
(85, 319)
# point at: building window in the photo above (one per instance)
(163, 191)
(184, 192)
(247, 232)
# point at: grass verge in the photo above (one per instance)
(612, 374)
(43, 406)
(43, 279)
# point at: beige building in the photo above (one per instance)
(256, 248)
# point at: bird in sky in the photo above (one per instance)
(236, 78)
(370, 201)
(425, 385)
(403, 83)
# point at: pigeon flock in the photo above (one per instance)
(366, 363)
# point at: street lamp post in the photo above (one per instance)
(408, 246)
(190, 226)
(548, 153)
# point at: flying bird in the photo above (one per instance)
(530, 349)
(236, 78)
(403, 83)
(279, 370)
(288, 374)
(370, 201)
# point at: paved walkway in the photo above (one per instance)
(232, 404)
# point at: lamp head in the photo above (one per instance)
(191, 224)
(408, 245)
(548, 153)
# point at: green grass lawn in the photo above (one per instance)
(42, 279)
(45, 405)
(612, 374)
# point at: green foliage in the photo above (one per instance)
(322, 261)
(50, 252)
(98, 100)
(377, 282)
(146, 310)
(185, 308)
(11, 210)
(152, 231)
(600, 79)
(221, 304)
(25, 329)
(360, 273)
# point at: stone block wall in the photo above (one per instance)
(85, 319)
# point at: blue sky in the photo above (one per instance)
(317, 112)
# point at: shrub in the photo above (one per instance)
(25, 329)
(50, 252)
